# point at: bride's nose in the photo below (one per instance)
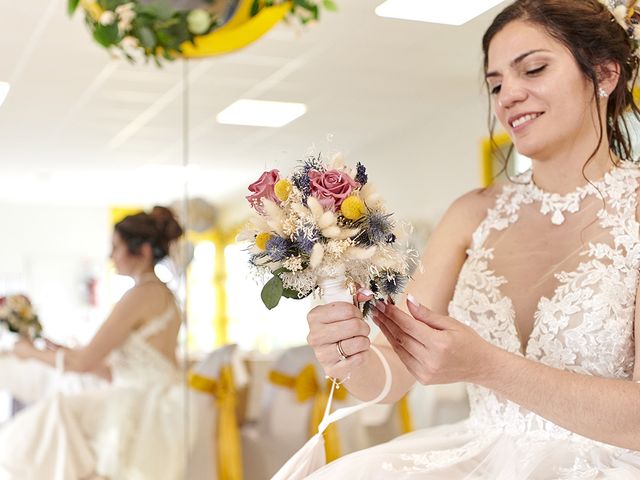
(511, 93)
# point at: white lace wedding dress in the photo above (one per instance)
(570, 265)
(133, 429)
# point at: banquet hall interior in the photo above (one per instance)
(88, 137)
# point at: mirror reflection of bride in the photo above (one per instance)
(116, 429)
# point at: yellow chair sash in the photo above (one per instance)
(228, 446)
(305, 385)
(406, 422)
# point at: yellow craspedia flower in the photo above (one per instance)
(262, 239)
(282, 189)
(352, 208)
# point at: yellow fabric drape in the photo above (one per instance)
(406, 423)
(228, 445)
(305, 385)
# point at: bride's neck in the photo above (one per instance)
(563, 174)
(145, 277)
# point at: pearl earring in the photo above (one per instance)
(602, 93)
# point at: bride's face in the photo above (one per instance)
(122, 259)
(538, 92)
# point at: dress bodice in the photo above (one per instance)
(561, 293)
(136, 362)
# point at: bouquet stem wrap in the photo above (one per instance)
(334, 289)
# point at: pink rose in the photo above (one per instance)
(263, 188)
(331, 187)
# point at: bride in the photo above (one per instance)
(529, 288)
(131, 428)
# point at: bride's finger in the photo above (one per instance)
(329, 353)
(398, 336)
(416, 329)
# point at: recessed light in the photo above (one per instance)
(4, 90)
(261, 113)
(432, 11)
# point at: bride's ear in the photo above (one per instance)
(608, 75)
(146, 251)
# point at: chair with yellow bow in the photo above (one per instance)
(216, 385)
(294, 399)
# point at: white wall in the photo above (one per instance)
(48, 253)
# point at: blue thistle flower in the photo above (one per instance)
(361, 175)
(278, 248)
(392, 283)
(306, 242)
(378, 228)
(303, 183)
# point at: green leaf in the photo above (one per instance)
(330, 5)
(72, 5)
(255, 8)
(147, 38)
(290, 293)
(106, 35)
(272, 292)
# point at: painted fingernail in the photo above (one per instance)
(366, 291)
(380, 306)
(413, 300)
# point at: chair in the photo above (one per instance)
(217, 385)
(294, 400)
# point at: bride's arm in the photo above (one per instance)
(434, 285)
(124, 317)
(439, 349)
(603, 409)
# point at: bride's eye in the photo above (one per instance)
(536, 71)
(495, 89)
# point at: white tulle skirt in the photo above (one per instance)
(464, 451)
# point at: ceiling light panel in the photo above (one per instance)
(261, 113)
(435, 11)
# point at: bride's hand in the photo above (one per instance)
(23, 349)
(435, 348)
(342, 323)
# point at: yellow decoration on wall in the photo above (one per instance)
(117, 214)
(241, 30)
(487, 157)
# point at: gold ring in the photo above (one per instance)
(341, 354)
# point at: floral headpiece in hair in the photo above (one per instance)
(627, 15)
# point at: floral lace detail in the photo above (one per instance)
(557, 204)
(586, 326)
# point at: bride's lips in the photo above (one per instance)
(518, 122)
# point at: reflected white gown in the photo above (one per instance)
(576, 277)
(132, 429)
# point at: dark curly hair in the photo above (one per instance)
(588, 29)
(159, 228)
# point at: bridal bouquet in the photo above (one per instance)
(18, 316)
(324, 221)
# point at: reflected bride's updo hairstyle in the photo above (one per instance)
(592, 31)
(159, 228)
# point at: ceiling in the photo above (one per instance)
(78, 127)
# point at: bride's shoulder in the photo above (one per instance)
(475, 203)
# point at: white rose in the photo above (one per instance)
(107, 18)
(198, 21)
(620, 13)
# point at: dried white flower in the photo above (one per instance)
(317, 254)
(107, 18)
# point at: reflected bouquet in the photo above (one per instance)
(324, 221)
(18, 316)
